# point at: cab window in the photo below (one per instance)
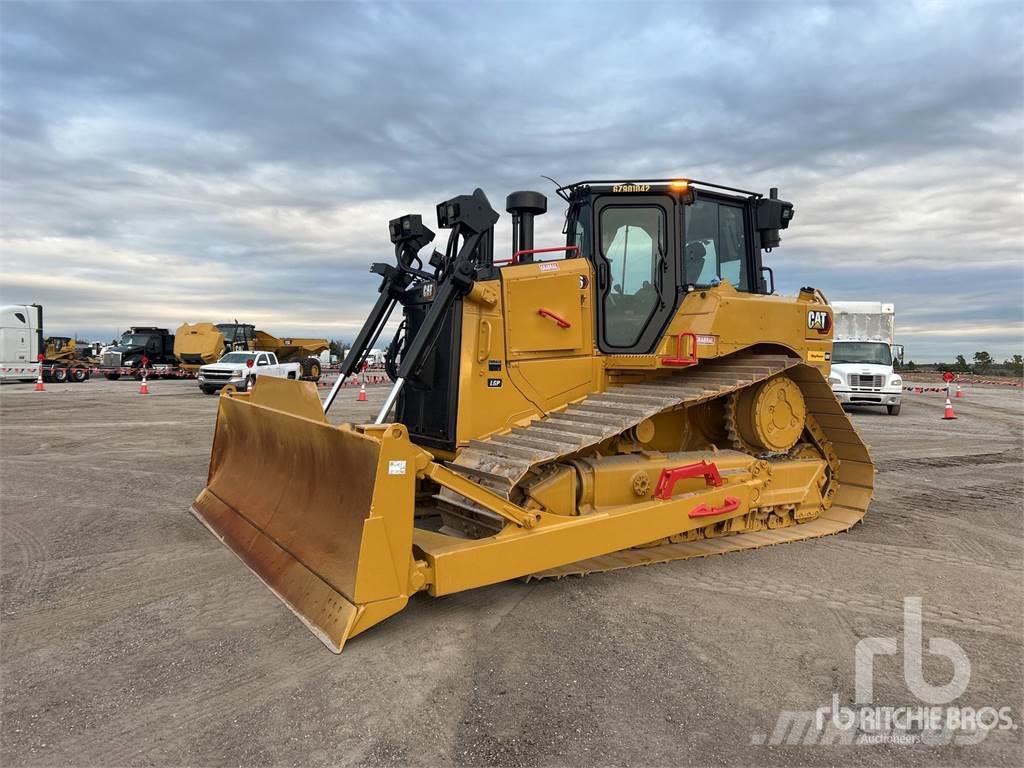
(716, 245)
(579, 232)
(633, 244)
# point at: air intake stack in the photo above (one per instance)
(524, 206)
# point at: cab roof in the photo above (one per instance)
(627, 185)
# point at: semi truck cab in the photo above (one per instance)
(154, 344)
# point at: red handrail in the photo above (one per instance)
(562, 322)
(517, 254)
(681, 357)
(671, 475)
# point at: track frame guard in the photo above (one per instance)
(323, 514)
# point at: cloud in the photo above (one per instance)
(164, 162)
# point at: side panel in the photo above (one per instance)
(551, 358)
(518, 364)
(490, 399)
(726, 321)
(545, 314)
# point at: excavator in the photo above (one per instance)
(635, 396)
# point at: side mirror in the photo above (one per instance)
(897, 353)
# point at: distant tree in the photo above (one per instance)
(1016, 365)
(339, 347)
(961, 364)
(982, 361)
(910, 366)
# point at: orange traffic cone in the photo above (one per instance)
(362, 394)
(39, 380)
(143, 385)
(958, 391)
(949, 410)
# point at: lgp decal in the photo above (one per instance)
(819, 320)
(494, 383)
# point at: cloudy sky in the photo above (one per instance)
(178, 161)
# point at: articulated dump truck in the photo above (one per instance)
(199, 344)
(635, 396)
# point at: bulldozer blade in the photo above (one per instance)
(322, 514)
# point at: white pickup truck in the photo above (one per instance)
(240, 369)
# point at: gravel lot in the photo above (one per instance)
(130, 636)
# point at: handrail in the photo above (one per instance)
(682, 358)
(517, 254)
(562, 322)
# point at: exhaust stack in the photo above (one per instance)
(524, 206)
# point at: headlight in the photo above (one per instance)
(834, 380)
(896, 381)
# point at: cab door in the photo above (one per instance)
(636, 270)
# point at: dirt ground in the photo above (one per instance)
(130, 636)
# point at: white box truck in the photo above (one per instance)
(862, 355)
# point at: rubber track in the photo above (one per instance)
(503, 461)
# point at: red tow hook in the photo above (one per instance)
(703, 510)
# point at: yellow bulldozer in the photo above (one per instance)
(199, 344)
(66, 361)
(637, 395)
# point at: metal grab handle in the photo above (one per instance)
(671, 475)
(681, 356)
(571, 251)
(703, 510)
(562, 322)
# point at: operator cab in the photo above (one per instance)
(652, 242)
